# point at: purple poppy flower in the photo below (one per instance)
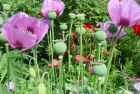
(137, 86)
(105, 26)
(124, 12)
(11, 86)
(52, 5)
(24, 31)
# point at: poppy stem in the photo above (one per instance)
(81, 53)
(110, 60)
(60, 74)
(8, 66)
(99, 52)
(69, 42)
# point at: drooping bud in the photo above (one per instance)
(32, 72)
(41, 88)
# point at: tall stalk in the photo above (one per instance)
(81, 53)
(69, 42)
(60, 74)
(110, 60)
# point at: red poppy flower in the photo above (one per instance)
(88, 26)
(136, 29)
(72, 46)
(74, 36)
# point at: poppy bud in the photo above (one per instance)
(41, 88)
(100, 35)
(52, 15)
(32, 72)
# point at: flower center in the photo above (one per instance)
(30, 30)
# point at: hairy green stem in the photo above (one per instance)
(69, 42)
(81, 53)
(109, 62)
(8, 66)
(60, 74)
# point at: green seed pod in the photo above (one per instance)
(2, 38)
(127, 92)
(72, 16)
(6, 6)
(79, 30)
(32, 72)
(81, 17)
(52, 15)
(1, 21)
(41, 88)
(103, 43)
(60, 47)
(102, 80)
(63, 26)
(99, 69)
(100, 35)
(112, 28)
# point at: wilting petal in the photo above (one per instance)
(52, 5)
(124, 12)
(137, 86)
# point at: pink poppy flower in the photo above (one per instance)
(90, 69)
(137, 86)
(52, 5)
(24, 31)
(124, 12)
(105, 26)
(77, 58)
(56, 63)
